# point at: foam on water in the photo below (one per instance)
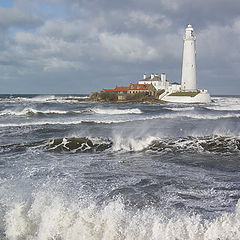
(179, 108)
(226, 100)
(109, 111)
(51, 217)
(225, 108)
(207, 144)
(128, 144)
(112, 121)
(31, 111)
(40, 98)
(225, 104)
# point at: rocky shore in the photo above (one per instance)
(113, 98)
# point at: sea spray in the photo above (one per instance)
(109, 111)
(131, 144)
(51, 218)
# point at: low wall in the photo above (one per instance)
(199, 98)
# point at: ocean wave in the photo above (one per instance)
(131, 144)
(51, 217)
(39, 123)
(30, 111)
(226, 100)
(177, 115)
(72, 145)
(209, 144)
(225, 104)
(225, 108)
(108, 111)
(179, 108)
(40, 98)
(75, 145)
(170, 116)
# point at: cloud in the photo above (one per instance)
(47, 53)
(152, 21)
(126, 48)
(13, 17)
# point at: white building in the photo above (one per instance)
(189, 78)
(160, 82)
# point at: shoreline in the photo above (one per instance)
(118, 101)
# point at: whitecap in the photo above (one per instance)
(50, 217)
(109, 111)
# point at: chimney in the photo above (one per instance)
(152, 76)
(163, 77)
(144, 76)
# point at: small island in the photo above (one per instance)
(132, 93)
(157, 88)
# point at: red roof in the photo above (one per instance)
(116, 89)
(130, 87)
(121, 89)
(139, 86)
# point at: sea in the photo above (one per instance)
(73, 169)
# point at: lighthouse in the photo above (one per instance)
(189, 78)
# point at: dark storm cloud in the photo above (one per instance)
(100, 43)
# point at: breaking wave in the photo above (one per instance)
(73, 145)
(178, 115)
(225, 108)
(179, 108)
(214, 144)
(208, 144)
(31, 111)
(116, 111)
(40, 98)
(50, 217)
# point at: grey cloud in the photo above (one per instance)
(17, 18)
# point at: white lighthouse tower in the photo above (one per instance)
(189, 78)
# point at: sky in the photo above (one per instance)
(82, 46)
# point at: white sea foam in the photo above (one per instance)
(41, 123)
(27, 111)
(112, 121)
(225, 108)
(208, 144)
(225, 104)
(131, 144)
(109, 111)
(179, 108)
(226, 100)
(50, 217)
(40, 98)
